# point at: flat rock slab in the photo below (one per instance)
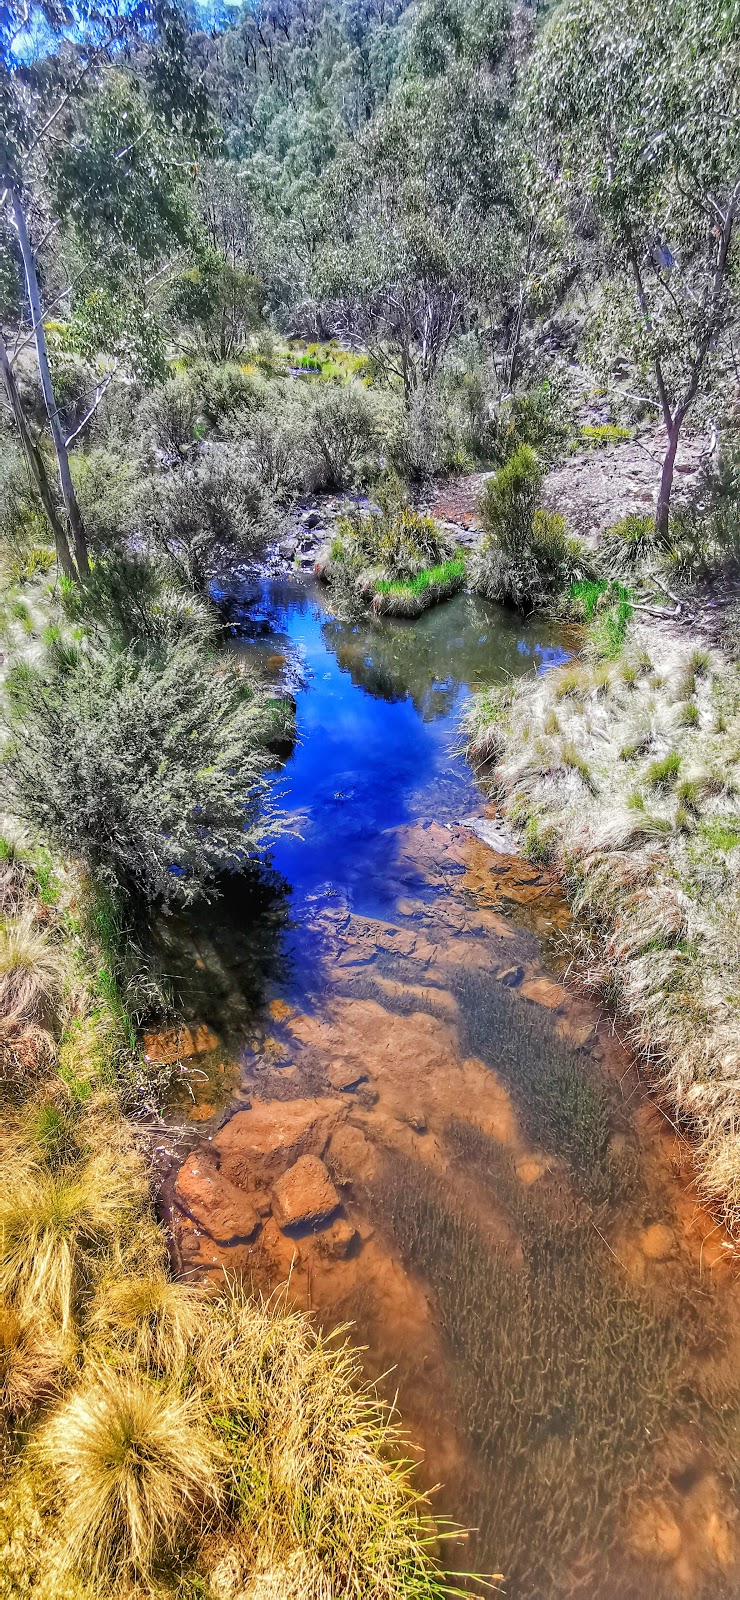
(178, 1044)
(218, 1206)
(259, 1145)
(494, 833)
(304, 1197)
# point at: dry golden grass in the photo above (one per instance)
(135, 1472)
(325, 1510)
(31, 973)
(31, 1360)
(650, 859)
(150, 1318)
(58, 1229)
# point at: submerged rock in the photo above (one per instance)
(261, 1144)
(304, 1196)
(218, 1206)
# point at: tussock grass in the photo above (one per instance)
(647, 856)
(134, 1470)
(58, 1228)
(319, 1508)
(30, 1362)
(31, 973)
(149, 1317)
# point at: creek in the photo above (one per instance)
(517, 1247)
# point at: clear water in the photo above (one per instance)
(572, 1383)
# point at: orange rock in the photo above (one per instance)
(202, 1113)
(177, 1044)
(305, 1195)
(658, 1242)
(224, 1211)
(543, 992)
(260, 1144)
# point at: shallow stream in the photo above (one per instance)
(518, 1245)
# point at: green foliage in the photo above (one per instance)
(397, 540)
(214, 306)
(149, 763)
(24, 530)
(607, 608)
(629, 542)
(526, 555)
(603, 434)
(662, 774)
(541, 418)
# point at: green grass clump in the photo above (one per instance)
(603, 433)
(722, 833)
(427, 579)
(571, 757)
(662, 774)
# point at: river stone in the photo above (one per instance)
(339, 1239)
(658, 1242)
(224, 1211)
(178, 1044)
(304, 1196)
(259, 1145)
(493, 832)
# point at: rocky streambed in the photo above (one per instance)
(402, 1112)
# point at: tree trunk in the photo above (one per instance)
(69, 497)
(666, 480)
(36, 466)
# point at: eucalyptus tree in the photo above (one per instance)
(634, 117)
(419, 209)
(90, 96)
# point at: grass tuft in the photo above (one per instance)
(134, 1472)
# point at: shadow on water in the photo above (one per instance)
(521, 1244)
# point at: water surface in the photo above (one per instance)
(518, 1241)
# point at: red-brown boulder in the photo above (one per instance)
(305, 1196)
(218, 1206)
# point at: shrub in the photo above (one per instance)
(168, 418)
(150, 765)
(133, 1472)
(540, 418)
(193, 515)
(25, 535)
(135, 601)
(526, 555)
(340, 433)
(224, 391)
(604, 433)
(105, 482)
(397, 541)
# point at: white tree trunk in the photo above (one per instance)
(57, 433)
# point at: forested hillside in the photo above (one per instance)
(409, 300)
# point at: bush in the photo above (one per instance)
(223, 391)
(526, 555)
(340, 433)
(150, 764)
(105, 482)
(194, 514)
(397, 540)
(541, 418)
(168, 418)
